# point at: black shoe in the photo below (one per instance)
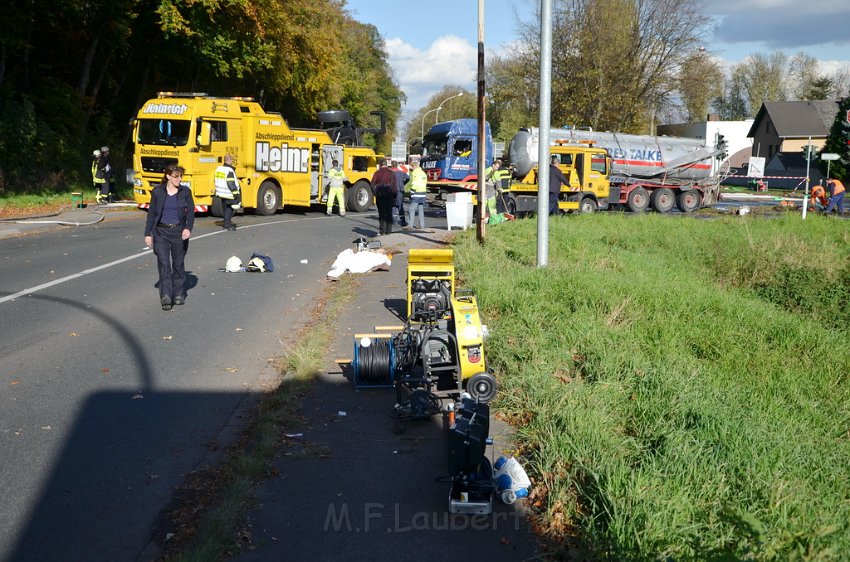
(231, 228)
(166, 303)
(179, 300)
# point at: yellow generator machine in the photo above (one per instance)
(439, 354)
(441, 346)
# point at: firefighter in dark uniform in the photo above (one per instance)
(103, 175)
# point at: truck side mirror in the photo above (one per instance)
(205, 134)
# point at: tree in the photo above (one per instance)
(510, 97)
(761, 78)
(614, 64)
(731, 105)
(700, 81)
(838, 142)
(806, 81)
(74, 72)
(820, 89)
(840, 83)
(464, 106)
(365, 82)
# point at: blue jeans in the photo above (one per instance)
(417, 201)
(836, 201)
(399, 204)
(553, 204)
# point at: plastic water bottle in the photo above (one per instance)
(508, 496)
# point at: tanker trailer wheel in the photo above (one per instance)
(662, 200)
(587, 206)
(359, 197)
(638, 200)
(689, 201)
(268, 199)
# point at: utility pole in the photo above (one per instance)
(482, 120)
(808, 153)
(543, 147)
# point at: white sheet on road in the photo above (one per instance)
(359, 262)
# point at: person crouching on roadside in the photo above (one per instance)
(171, 216)
(818, 197)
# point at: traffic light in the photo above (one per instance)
(722, 147)
(809, 152)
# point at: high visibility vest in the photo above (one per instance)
(837, 187)
(226, 182)
(501, 176)
(94, 177)
(418, 182)
(496, 176)
(337, 177)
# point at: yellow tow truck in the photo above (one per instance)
(276, 165)
(586, 167)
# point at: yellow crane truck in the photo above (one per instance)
(586, 167)
(276, 165)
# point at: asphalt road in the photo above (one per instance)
(106, 401)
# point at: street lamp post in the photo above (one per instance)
(422, 125)
(437, 119)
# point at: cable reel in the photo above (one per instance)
(374, 362)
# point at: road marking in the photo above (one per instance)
(144, 252)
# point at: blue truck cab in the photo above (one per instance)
(450, 151)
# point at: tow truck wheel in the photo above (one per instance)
(268, 199)
(587, 206)
(217, 209)
(359, 197)
(662, 200)
(638, 200)
(689, 201)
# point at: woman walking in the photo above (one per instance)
(170, 219)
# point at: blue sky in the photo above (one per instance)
(432, 44)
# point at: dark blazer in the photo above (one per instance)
(185, 207)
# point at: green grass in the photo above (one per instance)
(679, 386)
(13, 204)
